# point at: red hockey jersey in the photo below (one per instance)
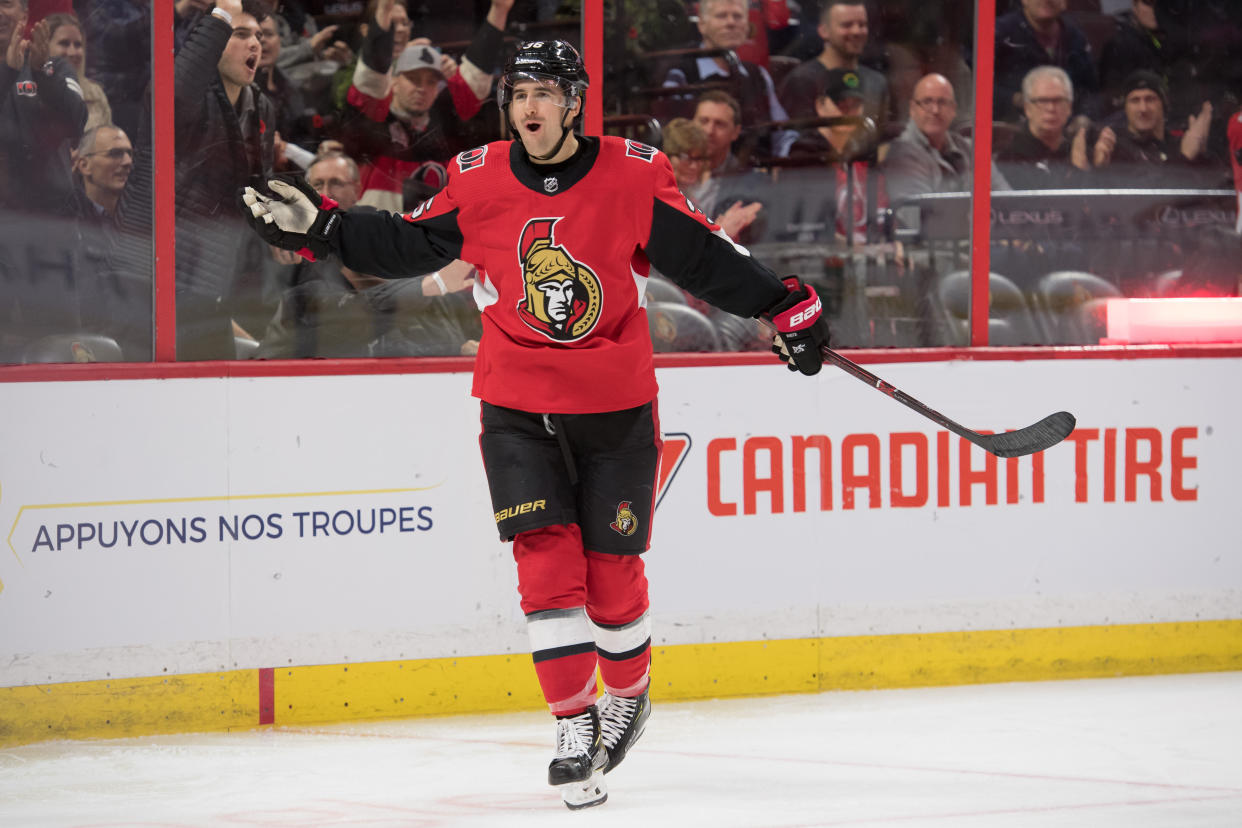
(563, 254)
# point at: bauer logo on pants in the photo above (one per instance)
(626, 523)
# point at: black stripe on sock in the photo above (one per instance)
(637, 651)
(562, 652)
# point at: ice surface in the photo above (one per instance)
(1154, 751)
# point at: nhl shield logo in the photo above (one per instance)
(626, 522)
(551, 185)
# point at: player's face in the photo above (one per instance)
(67, 42)
(846, 30)
(241, 54)
(269, 40)
(716, 121)
(109, 164)
(539, 113)
(333, 177)
(1144, 112)
(724, 25)
(558, 298)
(416, 90)
(1145, 13)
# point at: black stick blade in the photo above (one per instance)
(1034, 438)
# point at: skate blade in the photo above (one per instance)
(586, 793)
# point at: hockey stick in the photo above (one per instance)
(1034, 438)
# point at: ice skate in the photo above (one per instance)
(580, 761)
(623, 720)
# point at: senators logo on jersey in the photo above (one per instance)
(563, 297)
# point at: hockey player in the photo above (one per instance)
(562, 229)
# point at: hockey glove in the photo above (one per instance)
(801, 329)
(298, 219)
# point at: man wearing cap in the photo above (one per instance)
(1133, 152)
(840, 96)
(928, 157)
(846, 148)
(407, 117)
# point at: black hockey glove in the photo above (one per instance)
(301, 220)
(801, 329)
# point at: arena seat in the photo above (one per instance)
(1069, 306)
(678, 328)
(660, 289)
(73, 347)
(950, 304)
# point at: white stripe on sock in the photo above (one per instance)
(629, 637)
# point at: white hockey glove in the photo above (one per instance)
(301, 220)
(801, 329)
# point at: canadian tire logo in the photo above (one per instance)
(672, 456)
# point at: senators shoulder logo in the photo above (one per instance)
(563, 297)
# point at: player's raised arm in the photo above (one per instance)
(384, 244)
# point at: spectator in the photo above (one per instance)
(719, 115)
(398, 121)
(68, 41)
(185, 14)
(1142, 153)
(847, 149)
(41, 117)
(1039, 34)
(1202, 39)
(222, 144)
(296, 134)
(1137, 43)
(119, 33)
(104, 162)
(928, 157)
(113, 282)
(685, 144)
(1038, 157)
(844, 29)
(840, 98)
(333, 311)
(769, 30)
(301, 39)
(401, 31)
(724, 24)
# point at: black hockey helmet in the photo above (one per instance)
(547, 62)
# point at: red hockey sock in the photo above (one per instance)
(552, 580)
(617, 607)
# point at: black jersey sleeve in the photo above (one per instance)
(394, 246)
(685, 246)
